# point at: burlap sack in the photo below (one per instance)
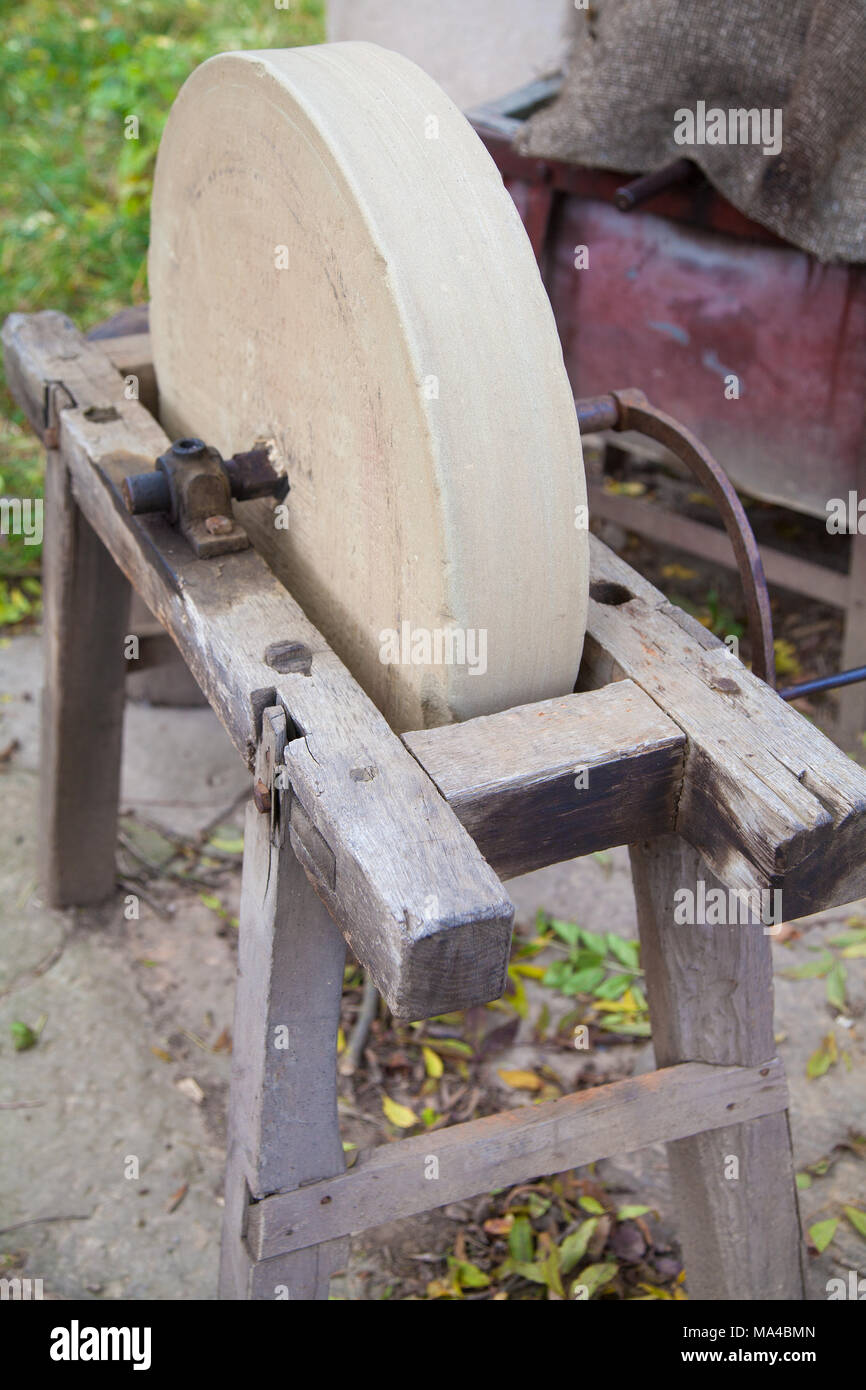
(635, 63)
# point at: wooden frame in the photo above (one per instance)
(689, 758)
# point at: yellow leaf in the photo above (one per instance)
(532, 972)
(433, 1062)
(678, 572)
(341, 1041)
(521, 1080)
(399, 1115)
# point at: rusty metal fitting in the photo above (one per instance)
(194, 485)
(629, 409)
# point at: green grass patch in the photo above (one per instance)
(74, 191)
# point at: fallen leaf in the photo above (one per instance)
(223, 1042)
(857, 1219)
(822, 1233)
(592, 1205)
(433, 1063)
(399, 1115)
(521, 1240)
(573, 1248)
(521, 1080)
(468, 1275)
(175, 1200)
(23, 1037)
(161, 1053)
(499, 1225)
(592, 1279)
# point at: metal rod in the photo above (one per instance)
(640, 190)
(793, 692)
(630, 410)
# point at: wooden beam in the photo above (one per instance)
(399, 1179)
(283, 1127)
(85, 621)
(767, 799)
(551, 781)
(131, 355)
(423, 912)
(710, 991)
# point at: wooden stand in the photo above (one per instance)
(399, 846)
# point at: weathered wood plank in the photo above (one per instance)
(283, 1125)
(130, 354)
(710, 993)
(767, 799)
(396, 1180)
(551, 781)
(86, 607)
(412, 894)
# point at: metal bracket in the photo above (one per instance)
(50, 408)
(195, 486)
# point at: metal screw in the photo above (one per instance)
(262, 797)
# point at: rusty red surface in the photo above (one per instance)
(677, 298)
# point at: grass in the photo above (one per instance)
(74, 190)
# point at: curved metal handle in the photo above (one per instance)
(630, 410)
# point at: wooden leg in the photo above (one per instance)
(86, 600)
(283, 1126)
(710, 992)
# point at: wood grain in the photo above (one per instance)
(768, 800)
(390, 1182)
(542, 783)
(85, 620)
(283, 1125)
(412, 894)
(710, 993)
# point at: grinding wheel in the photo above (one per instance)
(336, 265)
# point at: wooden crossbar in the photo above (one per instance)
(399, 1179)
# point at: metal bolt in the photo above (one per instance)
(288, 656)
(188, 448)
(262, 797)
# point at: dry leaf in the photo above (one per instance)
(399, 1115)
(521, 1080)
(175, 1200)
(433, 1063)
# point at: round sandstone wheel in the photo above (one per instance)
(336, 265)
